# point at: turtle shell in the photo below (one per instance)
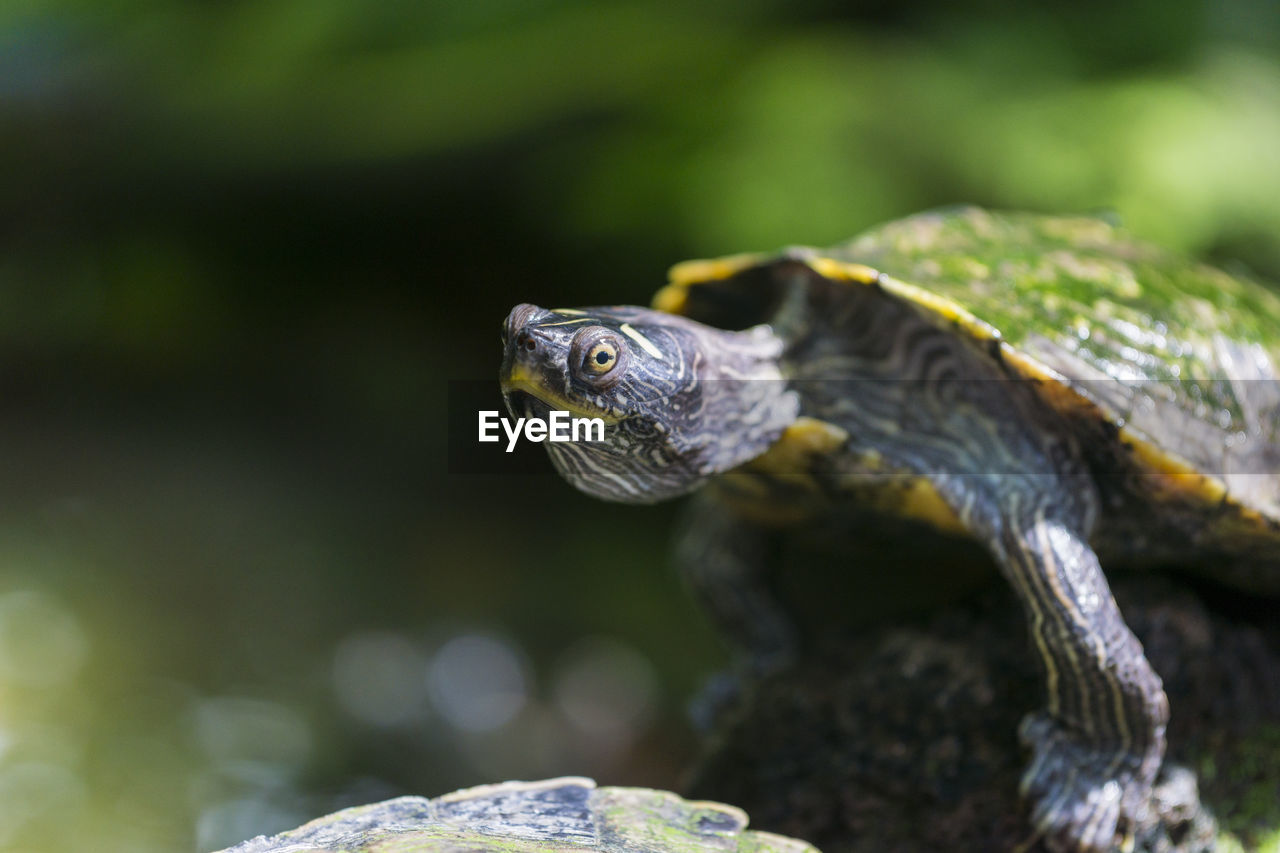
(1176, 359)
(567, 814)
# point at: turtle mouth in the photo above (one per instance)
(535, 400)
(523, 404)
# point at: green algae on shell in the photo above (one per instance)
(567, 814)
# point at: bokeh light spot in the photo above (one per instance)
(33, 792)
(605, 688)
(41, 641)
(477, 682)
(378, 678)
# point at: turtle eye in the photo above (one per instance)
(598, 356)
(601, 358)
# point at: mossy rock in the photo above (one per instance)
(570, 814)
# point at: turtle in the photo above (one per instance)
(565, 814)
(1051, 387)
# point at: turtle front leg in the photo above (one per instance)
(1098, 744)
(724, 560)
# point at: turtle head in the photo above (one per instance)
(680, 401)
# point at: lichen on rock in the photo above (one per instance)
(568, 814)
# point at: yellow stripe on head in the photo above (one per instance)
(565, 322)
(645, 343)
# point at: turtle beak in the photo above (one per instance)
(519, 379)
(527, 359)
(525, 353)
(519, 389)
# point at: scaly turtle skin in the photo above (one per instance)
(565, 815)
(1048, 386)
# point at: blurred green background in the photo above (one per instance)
(246, 247)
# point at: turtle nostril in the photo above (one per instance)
(526, 342)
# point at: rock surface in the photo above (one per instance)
(904, 737)
(570, 814)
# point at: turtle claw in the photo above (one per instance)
(1085, 796)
